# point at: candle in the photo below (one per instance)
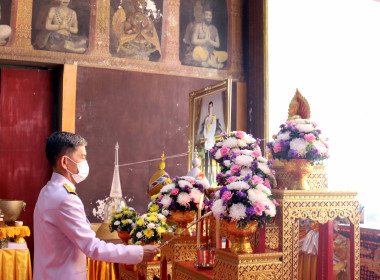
(217, 233)
(198, 223)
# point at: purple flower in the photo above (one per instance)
(241, 194)
(250, 211)
(258, 140)
(292, 154)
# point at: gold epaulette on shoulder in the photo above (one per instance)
(69, 189)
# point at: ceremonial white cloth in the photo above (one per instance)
(63, 238)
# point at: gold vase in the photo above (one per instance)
(299, 169)
(182, 219)
(240, 237)
(124, 236)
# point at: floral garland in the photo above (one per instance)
(149, 228)
(182, 194)
(246, 181)
(123, 220)
(299, 139)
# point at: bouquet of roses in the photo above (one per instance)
(182, 194)
(149, 228)
(299, 139)
(123, 220)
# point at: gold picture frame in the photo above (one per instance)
(217, 100)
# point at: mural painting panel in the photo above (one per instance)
(203, 33)
(5, 18)
(136, 29)
(61, 25)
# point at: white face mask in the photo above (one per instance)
(83, 171)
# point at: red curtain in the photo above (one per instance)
(26, 105)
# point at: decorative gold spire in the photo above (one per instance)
(161, 165)
(159, 179)
(299, 107)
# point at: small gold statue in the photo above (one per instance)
(299, 107)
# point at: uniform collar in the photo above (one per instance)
(60, 179)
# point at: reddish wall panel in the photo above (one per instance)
(26, 101)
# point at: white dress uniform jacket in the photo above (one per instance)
(63, 238)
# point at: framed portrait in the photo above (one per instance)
(210, 116)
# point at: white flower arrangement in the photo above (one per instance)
(184, 195)
(299, 139)
(245, 181)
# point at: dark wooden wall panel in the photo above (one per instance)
(146, 113)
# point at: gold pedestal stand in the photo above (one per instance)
(144, 270)
(181, 249)
(320, 206)
(247, 266)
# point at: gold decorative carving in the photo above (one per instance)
(181, 249)
(247, 266)
(23, 32)
(320, 206)
(317, 179)
(299, 107)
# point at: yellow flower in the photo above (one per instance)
(161, 230)
(124, 221)
(113, 212)
(154, 208)
(118, 216)
(127, 212)
(153, 197)
(152, 218)
(124, 208)
(132, 231)
(148, 233)
(140, 221)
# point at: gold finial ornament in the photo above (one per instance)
(159, 179)
(299, 107)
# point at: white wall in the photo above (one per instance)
(330, 50)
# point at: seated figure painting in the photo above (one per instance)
(133, 25)
(60, 30)
(202, 44)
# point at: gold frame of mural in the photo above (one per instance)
(194, 111)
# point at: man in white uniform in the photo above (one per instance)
(62, 236)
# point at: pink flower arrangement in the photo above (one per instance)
(245, 181)
(299, 139)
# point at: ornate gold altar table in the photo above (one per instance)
(233, 266)
(320, 206)
(15, 264)
(187, 271)
(143, 271)
(181, 249)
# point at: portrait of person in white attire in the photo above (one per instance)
(211, 126)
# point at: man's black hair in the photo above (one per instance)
(62, 143)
